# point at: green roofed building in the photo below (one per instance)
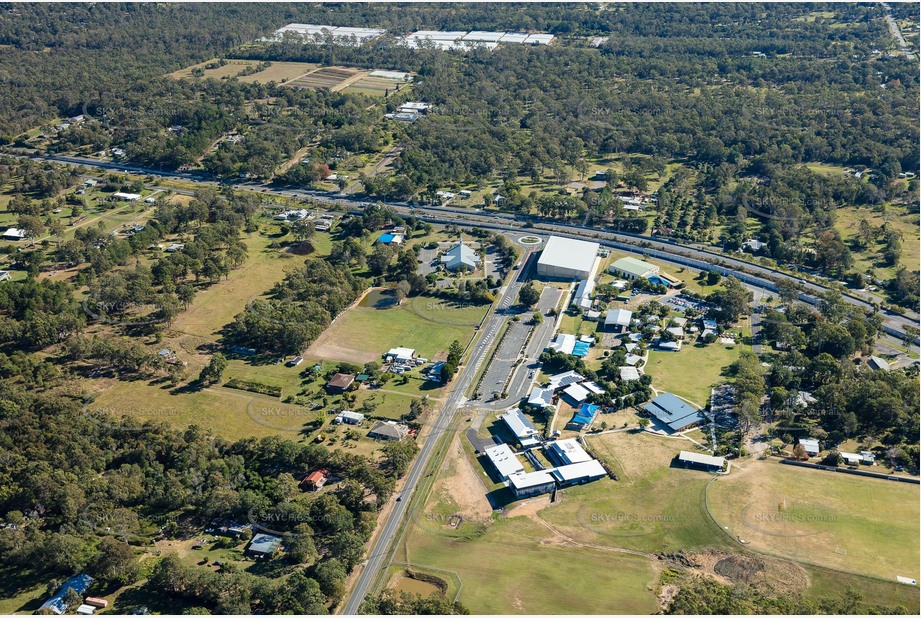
(632, 268)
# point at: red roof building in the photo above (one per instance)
(340, 382)
(315, 480)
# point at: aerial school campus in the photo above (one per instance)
(521, 319)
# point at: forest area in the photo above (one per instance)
(775, 123)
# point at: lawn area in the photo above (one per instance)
(577, 325)
(517, 568)
(834, 520)
(652, 507)
(230, 413)
(693, 370)
(826, 168)
(216, 305)
(426, 323)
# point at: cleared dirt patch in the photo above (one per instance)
(770, 576)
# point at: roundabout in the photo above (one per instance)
(529, 241)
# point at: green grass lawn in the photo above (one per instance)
(577, 325)
(692, 371)
(513, 569)
(652, 507)
(864, 525)
(425, 323)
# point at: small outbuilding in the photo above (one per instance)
(810, 445)
(700, 460)
(349, 418)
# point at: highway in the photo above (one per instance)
(685, 255)
(379, 552)
(755, 276)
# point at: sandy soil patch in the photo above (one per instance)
(461, 484)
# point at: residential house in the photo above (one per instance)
(349, 418)
(810, 445)
(57, 604)
(314, 481)
(340, 383)
(388, 430)
(263, 546)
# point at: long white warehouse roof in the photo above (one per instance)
(569, 253)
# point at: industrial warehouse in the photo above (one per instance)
(568, 259)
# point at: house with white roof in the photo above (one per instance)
(576, 392)
(564, 343)
(541, 397)
(810, 445)
(579, 473)
(633, 359)
(568, 452)
(583, 295)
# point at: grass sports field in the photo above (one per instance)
(833, 520)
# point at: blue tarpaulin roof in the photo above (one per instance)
(57, 603)
(586, 414)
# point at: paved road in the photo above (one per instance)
(896, 32)
(693, 256)
(379, 552)
(519, 379)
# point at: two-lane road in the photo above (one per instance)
(379, 552)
